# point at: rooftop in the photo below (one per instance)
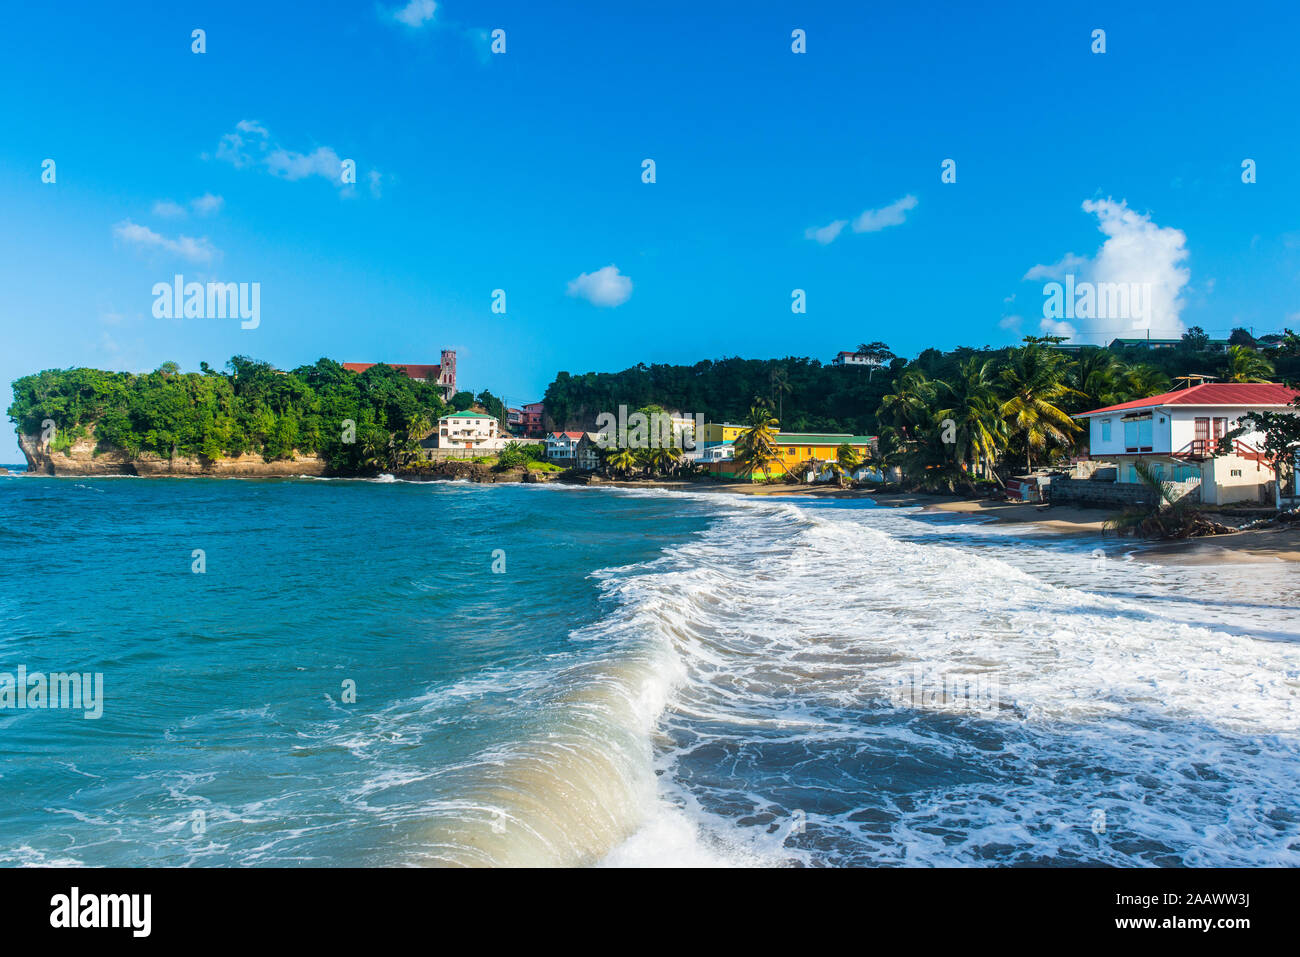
(413, 369)
(466, 415)
(815, 438)
(1140, 341)
(1210, 394)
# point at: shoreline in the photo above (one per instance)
(1245, 547)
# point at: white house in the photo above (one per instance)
(854, 359)
(470, 430)
(574, 449)
(1178, 434)
(722, 452)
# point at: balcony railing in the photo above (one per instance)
(1208, 448)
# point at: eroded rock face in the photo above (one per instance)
(81, 459)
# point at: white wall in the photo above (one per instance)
(1172, 435)
(1220, 487)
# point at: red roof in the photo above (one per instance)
(1211, 393)
(572, 435)
(414, 370)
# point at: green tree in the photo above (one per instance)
(756, 443)
(978, 433)
(1247, 365)
(1142, 381)
(1196, 339)
(1035, 382)
(620, 461)
(845, 462)
(911, 405)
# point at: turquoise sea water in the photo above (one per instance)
(652, 678)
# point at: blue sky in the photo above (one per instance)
(522, 172)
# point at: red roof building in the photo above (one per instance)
(414, 370)
(1233, 394)
(1201, 437)
(443, 374)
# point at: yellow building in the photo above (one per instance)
(721, 432)
(796, 451)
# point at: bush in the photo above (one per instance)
(513, 456)
(253, 408)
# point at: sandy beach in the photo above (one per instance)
(1257, 545)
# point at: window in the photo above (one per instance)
(1105, 430)
(790, 451)
(1137, 434)
(1236, 473)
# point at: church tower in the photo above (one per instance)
(447, 377)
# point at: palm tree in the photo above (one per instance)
(756, 443)
(1163, 515)
(374, 445)
(1142, 381)
(665, 459)
(620, 460)
(781, 387)
(908, 407)
(980, 432)
(418, 428)
(845, 461)
(1099, 378)
(1247, 365)
(1035, 379)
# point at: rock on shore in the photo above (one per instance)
(82, 459)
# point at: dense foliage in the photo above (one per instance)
(808, 396)
(946, 419)
(252, 407)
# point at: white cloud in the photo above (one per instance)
(1069, 263)
(235, 147)
(1010, 323)
(1053, 327)
(415, 14)
(204, 205)
(186, 247)
(874, 220)
(1135, 251)
(604, 287)
(207, 204)
(868, 221)
(826, 234)
(251, 145)
(167, 209)
(322, 161)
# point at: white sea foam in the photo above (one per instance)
(793, 629)
(739, 704)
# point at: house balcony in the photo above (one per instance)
(1201, 449)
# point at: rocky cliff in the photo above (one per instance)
(82, 459)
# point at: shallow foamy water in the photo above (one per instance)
(655, 678)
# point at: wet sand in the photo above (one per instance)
(1258, 545)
